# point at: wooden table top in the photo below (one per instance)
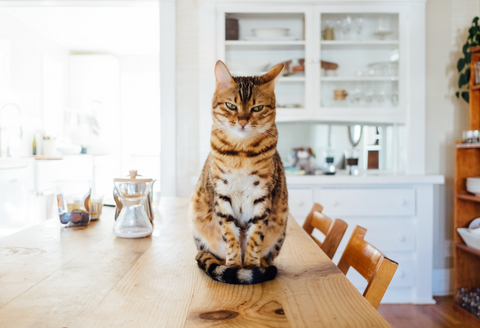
(86, 277)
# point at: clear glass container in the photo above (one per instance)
(133, 221)
(73, 200)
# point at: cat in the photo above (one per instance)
(239, 209)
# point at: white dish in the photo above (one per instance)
(382, 34)
(246, 70)
(280, 38)
(470, 238)
(270, 32)
(474, 226)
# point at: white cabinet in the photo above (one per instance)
(397, 212)
(379, 48)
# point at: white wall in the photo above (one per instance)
(27, 49)
(187, 86)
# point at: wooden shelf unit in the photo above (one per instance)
(467, 206)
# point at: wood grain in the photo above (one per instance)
(90, 278)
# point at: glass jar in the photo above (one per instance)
(73, 200)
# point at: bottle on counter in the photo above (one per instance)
(34, 146)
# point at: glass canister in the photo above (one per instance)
(73, 200)
(133, 221)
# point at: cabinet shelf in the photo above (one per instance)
(292, 79)
(469, 197)
(264, 45)
(468, 145)
(371, 44)
(468, 249)
(358, 78)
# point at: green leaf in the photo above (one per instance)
(468, 58)
(457, 94)
(460, 64)
(465, 48)
(461, 81)
(475, 20)
(467, 75)
(465, 96)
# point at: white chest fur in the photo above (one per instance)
(240, 186)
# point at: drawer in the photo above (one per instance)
(404, 276)
(300, 202)
(367, 202)
(388, 235)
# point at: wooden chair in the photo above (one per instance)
(332, 229)
(377, 269)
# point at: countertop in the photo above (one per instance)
(86, 277)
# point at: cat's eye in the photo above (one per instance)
(231, 106)
(257, 108)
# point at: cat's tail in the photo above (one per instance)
(216, 270)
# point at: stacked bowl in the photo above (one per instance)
(473, 186)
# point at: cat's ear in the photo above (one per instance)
(271, 78)
(222, 75)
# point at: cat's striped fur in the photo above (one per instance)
(239, 209)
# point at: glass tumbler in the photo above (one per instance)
(73, 200)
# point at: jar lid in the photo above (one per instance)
(133, 178)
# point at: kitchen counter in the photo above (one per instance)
(341, 178)
(86, 277)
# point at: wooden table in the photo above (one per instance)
(86, 277)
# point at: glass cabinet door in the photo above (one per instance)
(360, 58)
(254, 42)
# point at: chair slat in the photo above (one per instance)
(377, 269)
(332, 229)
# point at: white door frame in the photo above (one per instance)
(168, 165)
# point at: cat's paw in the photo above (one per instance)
(264, 264)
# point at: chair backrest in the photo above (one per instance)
(377, 269)
(332, 229)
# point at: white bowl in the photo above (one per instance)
(470, 238)
(272, 32)
(474, 226)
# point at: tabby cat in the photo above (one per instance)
(239, 208)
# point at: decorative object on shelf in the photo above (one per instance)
(49, 146)
(301, 158)
(329, 168)
(231, 29)
(271, 34)
(373, 160)
(73, 201)
(471, 136)
(469, 299)
(328, 33)
(339, 94)
(34, 146)
(463, 64)
(328, 65)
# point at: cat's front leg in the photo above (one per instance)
(230, 231)
(256, 231)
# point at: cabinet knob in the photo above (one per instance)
(401, 273)
(403, 202)
(402, 238)
(300, 203)
(335, 203)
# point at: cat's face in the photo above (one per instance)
(244, 106)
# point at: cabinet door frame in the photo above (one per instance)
(306, 10)
(397, 115)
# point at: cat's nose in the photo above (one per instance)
(242, 123)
